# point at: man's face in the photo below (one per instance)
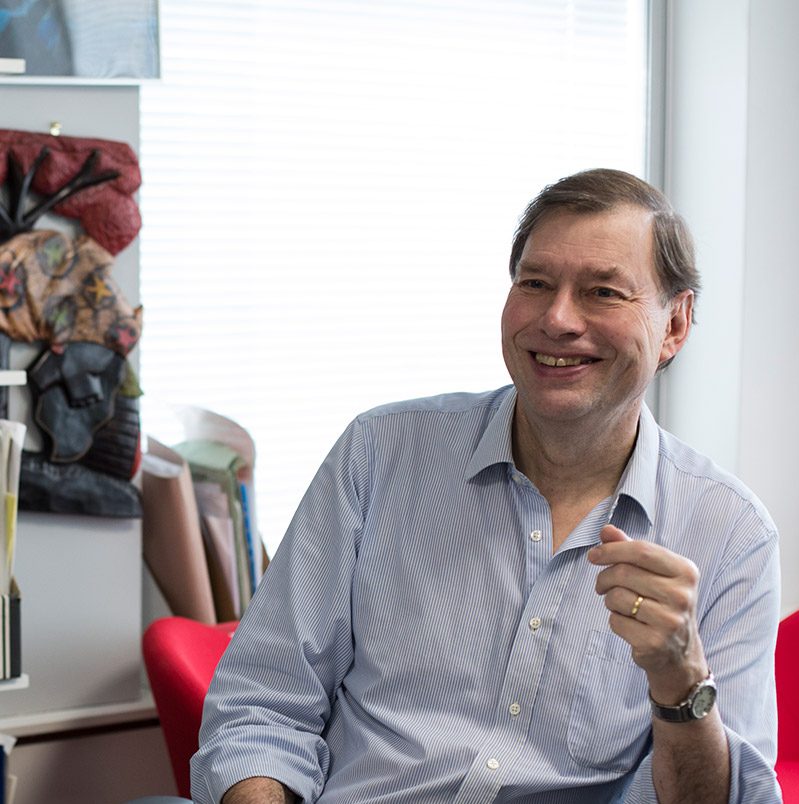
(584, 327)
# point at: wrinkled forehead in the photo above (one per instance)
(607, 238)
(589, 209)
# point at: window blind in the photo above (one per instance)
(330, 191)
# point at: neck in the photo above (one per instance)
(574, 460)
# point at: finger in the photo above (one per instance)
(646, 555)
(627, 603)
(610, 533)
(632, 577)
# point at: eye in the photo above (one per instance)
(606, 293)
(532, 284)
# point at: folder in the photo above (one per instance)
(220, 545)
(205, 425)
(173, 544)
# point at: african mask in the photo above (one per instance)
(57, 292)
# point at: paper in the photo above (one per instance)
(220, 542)
(204, 425)
(172, 539)
(214, 462)
(12, 437)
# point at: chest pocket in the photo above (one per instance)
(609, 722)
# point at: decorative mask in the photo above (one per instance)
(56, 290)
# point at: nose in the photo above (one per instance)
(562, 316)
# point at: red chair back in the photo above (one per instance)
(786, 671)
(180, 656)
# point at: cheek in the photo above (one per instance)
(643, 334)
(515, 316)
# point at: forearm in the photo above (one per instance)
(691, 761)
(258, 790)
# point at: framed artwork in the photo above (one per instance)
(79, 41)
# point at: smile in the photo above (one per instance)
(550, 360)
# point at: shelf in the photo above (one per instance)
(20, 683)
(81, 718)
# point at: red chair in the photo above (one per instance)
(180, 656)
(786, 669)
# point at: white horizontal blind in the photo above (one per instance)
(330, 190)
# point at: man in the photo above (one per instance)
(432, 628)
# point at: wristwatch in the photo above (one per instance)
(698, 704)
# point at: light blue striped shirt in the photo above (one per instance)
(415, 640)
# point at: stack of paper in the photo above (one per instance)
(201, 538)
(171, 539)
(12, 438)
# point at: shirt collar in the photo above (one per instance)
(637, 481)
(495, 443)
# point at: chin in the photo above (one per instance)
(559, 412)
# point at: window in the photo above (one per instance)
(330, 192)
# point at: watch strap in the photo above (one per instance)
(684, 711)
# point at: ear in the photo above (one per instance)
(678, 326)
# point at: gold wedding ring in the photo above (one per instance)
(637, 605)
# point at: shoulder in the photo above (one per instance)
(703, 481)
(436, 433)
(451, 405)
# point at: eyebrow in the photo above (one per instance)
(601, 274)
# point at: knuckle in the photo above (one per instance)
(692, 571)
(648, 550)
(681, 600)
(621, 574)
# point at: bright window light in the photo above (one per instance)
(330, 192)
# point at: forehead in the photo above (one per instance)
(619, 239)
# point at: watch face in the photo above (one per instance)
(703, 701)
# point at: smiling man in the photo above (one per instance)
(533, 594)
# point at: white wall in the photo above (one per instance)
(769, 427)
(731, 168)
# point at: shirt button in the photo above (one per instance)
(492, 763)
(536, 535)
(517, 479)
(535, 623)
(514, 709)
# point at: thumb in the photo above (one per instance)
(610, 533)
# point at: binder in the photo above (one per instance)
(10, 627)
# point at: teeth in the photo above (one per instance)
(549, 360)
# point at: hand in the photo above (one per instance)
(663, 633)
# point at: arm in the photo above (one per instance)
(258, 790)
(701, 760)
(690, 761)
(272, 692)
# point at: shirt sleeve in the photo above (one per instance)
(739, 629)
(272, 692)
